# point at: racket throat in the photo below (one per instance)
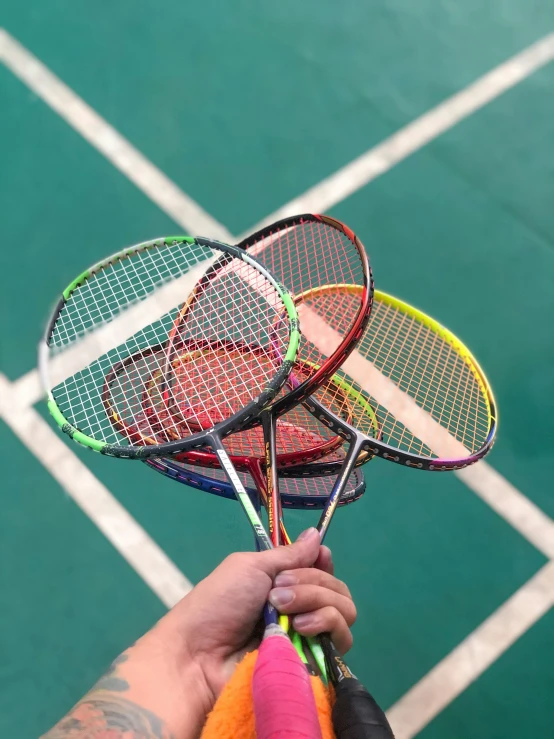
(269, 427)
(240, 491)
(354, 450)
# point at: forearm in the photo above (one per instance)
(146, 694)
(102, 714)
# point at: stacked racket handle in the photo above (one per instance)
(186, 353)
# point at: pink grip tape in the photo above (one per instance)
(284, 704)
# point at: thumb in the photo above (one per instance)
(303, 553)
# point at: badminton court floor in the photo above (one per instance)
(434, 124)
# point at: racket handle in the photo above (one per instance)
(284, 704)
(356, 714)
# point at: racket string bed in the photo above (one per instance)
(308, 252)
(297, 432)
(428, 365)
(430, 403)
(78, 395)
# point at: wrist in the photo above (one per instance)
(173, 682)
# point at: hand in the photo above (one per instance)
(166, 683)
(218, 622)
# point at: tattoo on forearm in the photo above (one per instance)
(111, 680)
(109, 717)
(100, 715)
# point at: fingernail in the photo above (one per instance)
(308, 534)
(280, 597)
(285, 578)
(303, 620)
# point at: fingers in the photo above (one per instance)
(302, 553)
(306, 598)
(325, 620)
(311, 576)
(324, 560)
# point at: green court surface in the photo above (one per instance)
(245, 108)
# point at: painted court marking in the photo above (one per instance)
(452, 675)
(523, 515)
(375, 162)
(148, 560)
(109, 142)
(481, 648)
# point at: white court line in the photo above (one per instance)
(133, 543)
(452, 675)
(418, 133)
(517, 510)
(109, 142)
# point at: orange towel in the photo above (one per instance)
(232, 716)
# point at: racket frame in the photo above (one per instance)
(223, 489)
(348, 343)
(379, 448)
(238, 420)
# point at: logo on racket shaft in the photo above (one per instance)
(244, 498)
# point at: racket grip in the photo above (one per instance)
(284, 704)
(356, 714)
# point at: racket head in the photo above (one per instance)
(127, 304)
(300, 438)
(310, 251)
(435, 407)
(296, 493)
(305, 442)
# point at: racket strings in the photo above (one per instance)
(330, 304)
(243, 307)
(114, 288)
(104, 296)
(298, 432)
(212, 384)
(308, 256)
(224, 385)
(292, 437)
(300, 438)
(196, 405)
(428, 369)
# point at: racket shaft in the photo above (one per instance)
(283, 697)
(269, 423)
(340, 483)
(260, 481)
(240, 491)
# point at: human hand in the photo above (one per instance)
(217, 623)
(165, 684)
